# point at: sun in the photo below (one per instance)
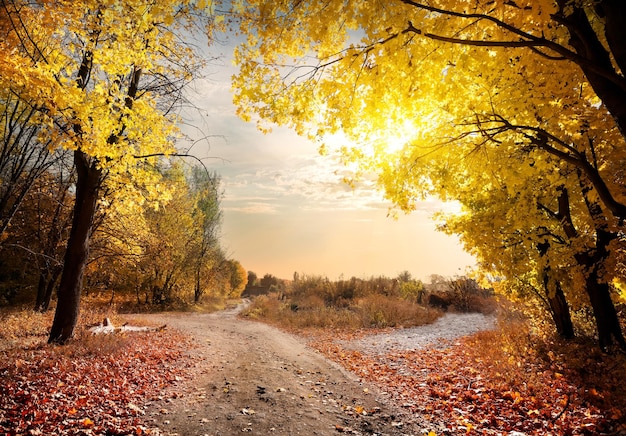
(382, 145)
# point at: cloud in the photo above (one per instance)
(267, 173)
(252, 208)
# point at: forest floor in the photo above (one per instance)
(219, 374)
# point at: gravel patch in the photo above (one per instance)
(447, 328)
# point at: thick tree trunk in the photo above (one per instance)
(68, 304)
(607, 322)
(614, 14)
(596, 287)
(599, 291)
(598, 68)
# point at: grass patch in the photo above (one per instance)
(373, 311)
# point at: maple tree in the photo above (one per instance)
(102, 78)
(515, 109)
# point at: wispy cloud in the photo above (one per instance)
(312, 183)
(252, 208)
(286, 208)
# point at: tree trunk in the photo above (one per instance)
(41, 292)
(598, 288)
(45, 289)
(198, 288)
(596, 285)
(614, 14)
(610, 85)
(599, 292)
(76, 255)
(607, 322)
(559, 310)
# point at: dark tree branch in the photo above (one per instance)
(527, 40)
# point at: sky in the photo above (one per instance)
(285, 208)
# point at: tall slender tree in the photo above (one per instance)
(101, 77)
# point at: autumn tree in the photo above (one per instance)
(238, 278)
(179, 248)
(50, 210)
(101, 77)
(207, 216)
(23, 159)
(252, 279)
(117, 248)
(33, 245)
(24, 156)
(269, 280)
(500, 105)
(163, 255)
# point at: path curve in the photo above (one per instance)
(251, 377)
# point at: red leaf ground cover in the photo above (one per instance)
(470, 387)
(96, 386)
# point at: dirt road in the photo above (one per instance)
(250, 377)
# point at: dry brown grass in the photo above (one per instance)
(22, 327)
(372, 311)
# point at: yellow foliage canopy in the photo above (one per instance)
(103, 76)
(497, 105)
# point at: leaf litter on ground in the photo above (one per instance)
(473, 386)
(95, 385)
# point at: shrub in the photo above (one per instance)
(412, 290)
(463, 295)
(385, 311)
(263, 307)
(318, 302)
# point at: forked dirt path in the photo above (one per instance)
(251, 377)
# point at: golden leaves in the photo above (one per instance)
(497, 128)
(106, 42)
